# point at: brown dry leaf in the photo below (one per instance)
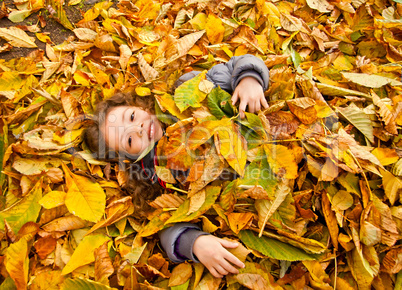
(103, 264)
(147, 71)
(386, 115)
(167, 201)
(330, 219)
(65, 224)
(17, 37)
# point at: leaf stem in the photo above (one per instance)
(168, 185)
(364, 175)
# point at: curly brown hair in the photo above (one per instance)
(137, 186)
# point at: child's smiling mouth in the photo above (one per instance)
(151, 130)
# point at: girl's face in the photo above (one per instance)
(131, 130)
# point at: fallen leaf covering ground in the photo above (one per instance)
(329, 215)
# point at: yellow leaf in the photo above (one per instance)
(208, 282)
(43, 37)
(165, 174)
(82, 78)
(115, 211)
(215, 29)
(17, 263)
(84, 253)
(53, 199)
(85, 199)
(50, 280)
(17, 37)
(392, 186)
(196, 201)
(386, 156)
(281, 160)
(199, 21)
(207, 225)
(180, 274)
(318, 275)
(143, 91)
(232, 146)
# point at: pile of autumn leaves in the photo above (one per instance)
(314, 187)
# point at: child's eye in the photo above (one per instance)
(129, 141)
(132, 116)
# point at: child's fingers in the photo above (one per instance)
(257, 106)
(251, 106)
(235, 97)
(242, 108)
(234, 260)
(221, 270)
(215, 273)
(229, 267)
(228, 244)
(264, 102)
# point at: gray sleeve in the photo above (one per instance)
(228, 75)
(178, 241)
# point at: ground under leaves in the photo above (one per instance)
(330, 213)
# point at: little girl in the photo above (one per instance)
(125, 126)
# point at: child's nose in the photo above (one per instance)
(136, 128)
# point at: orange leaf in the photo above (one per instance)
(44, 246)
(239, 221)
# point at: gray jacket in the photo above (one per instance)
(178, 240)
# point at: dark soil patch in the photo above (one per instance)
(57, 32)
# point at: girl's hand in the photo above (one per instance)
(211, 252)
(251, 95)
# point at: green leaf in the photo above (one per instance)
(26, 210)
(188, 94)
(85, 199)
(183, 286)
(84, 253)
(19, 15)
(8, 284)
(220, 104)
(273, 248)
(83, 284)
(180, 215)
(259, 172)
(330, 90)
(370, 81)
(359, 119)
(296, 58)
(266, 208)
(135, 254)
